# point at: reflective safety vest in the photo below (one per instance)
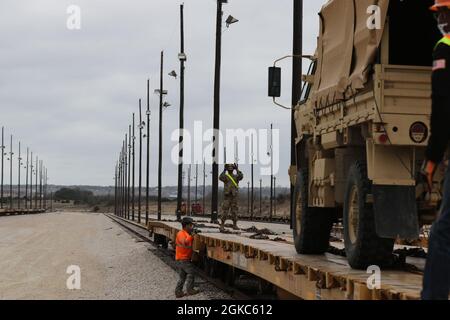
(183, 243)
(444, 40)
(232, 180)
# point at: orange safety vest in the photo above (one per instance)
(183, 242)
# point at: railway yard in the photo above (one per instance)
(123, 259)
(323, 174)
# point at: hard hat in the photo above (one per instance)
(440, 4)
(187, 220)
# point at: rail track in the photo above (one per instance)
(207, 273)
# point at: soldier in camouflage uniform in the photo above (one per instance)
(231, 188)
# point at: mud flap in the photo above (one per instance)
(395, 212)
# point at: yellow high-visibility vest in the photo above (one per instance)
(444, 40)
(232, 180)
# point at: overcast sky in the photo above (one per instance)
(69, 94)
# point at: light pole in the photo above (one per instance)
(125, 189)
(147, 190)
(133, 173)
(36, 168)
(11, 173)
(204, 186)
(19, 164)
(188, 209)
(40, 184)
(129, 171)
(3, 154)
(115, 190)
(260, 198)
(252, 178)
(140, 161)
(274, 196)
(182, 58)
(161, 105)
(26, 179)
(271, 171)
(31, 181)
(248, 197)
(216, 118)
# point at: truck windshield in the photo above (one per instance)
(306, 87)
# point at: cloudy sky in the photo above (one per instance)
(69, 94)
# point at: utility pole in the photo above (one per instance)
(45, 188)
(133, 177)
(248, 197)
(19, 160)
(296, 83)
(129, 173)
(216, 121)
(161, 94)
(115, 190)
(188, 209)
(120, 184)
(252, 178)
(36, 168)
(204, 186)
(196, 183)
(125, 189)
(274, 196)
(147, 190)
(3, 154)
(140, 161)
(271, 171)
(40, 184)
(31, 181)
(26, 179)
(11, 174)
(260, 198)
(182, 58)
(124, 178)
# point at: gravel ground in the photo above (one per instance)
(35, 251)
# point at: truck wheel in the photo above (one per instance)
(311, 226)
(362, 244)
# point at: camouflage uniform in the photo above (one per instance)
(230, 196)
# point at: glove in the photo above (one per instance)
(428, 170)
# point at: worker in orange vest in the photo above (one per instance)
(436, 280)
(183, 255)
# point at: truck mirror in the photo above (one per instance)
(274, 82)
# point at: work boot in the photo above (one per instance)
(193, 292)
(179, 294)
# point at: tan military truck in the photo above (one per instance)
(362, 128)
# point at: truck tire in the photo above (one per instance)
(362, 244)
(311, 226)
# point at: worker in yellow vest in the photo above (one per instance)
(436, 280)
(230, 194)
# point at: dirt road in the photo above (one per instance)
(36, 250)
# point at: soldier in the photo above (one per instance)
(436, 280)
(230, 193)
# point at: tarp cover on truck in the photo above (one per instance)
(346, 47)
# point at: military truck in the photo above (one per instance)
(362, 127)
